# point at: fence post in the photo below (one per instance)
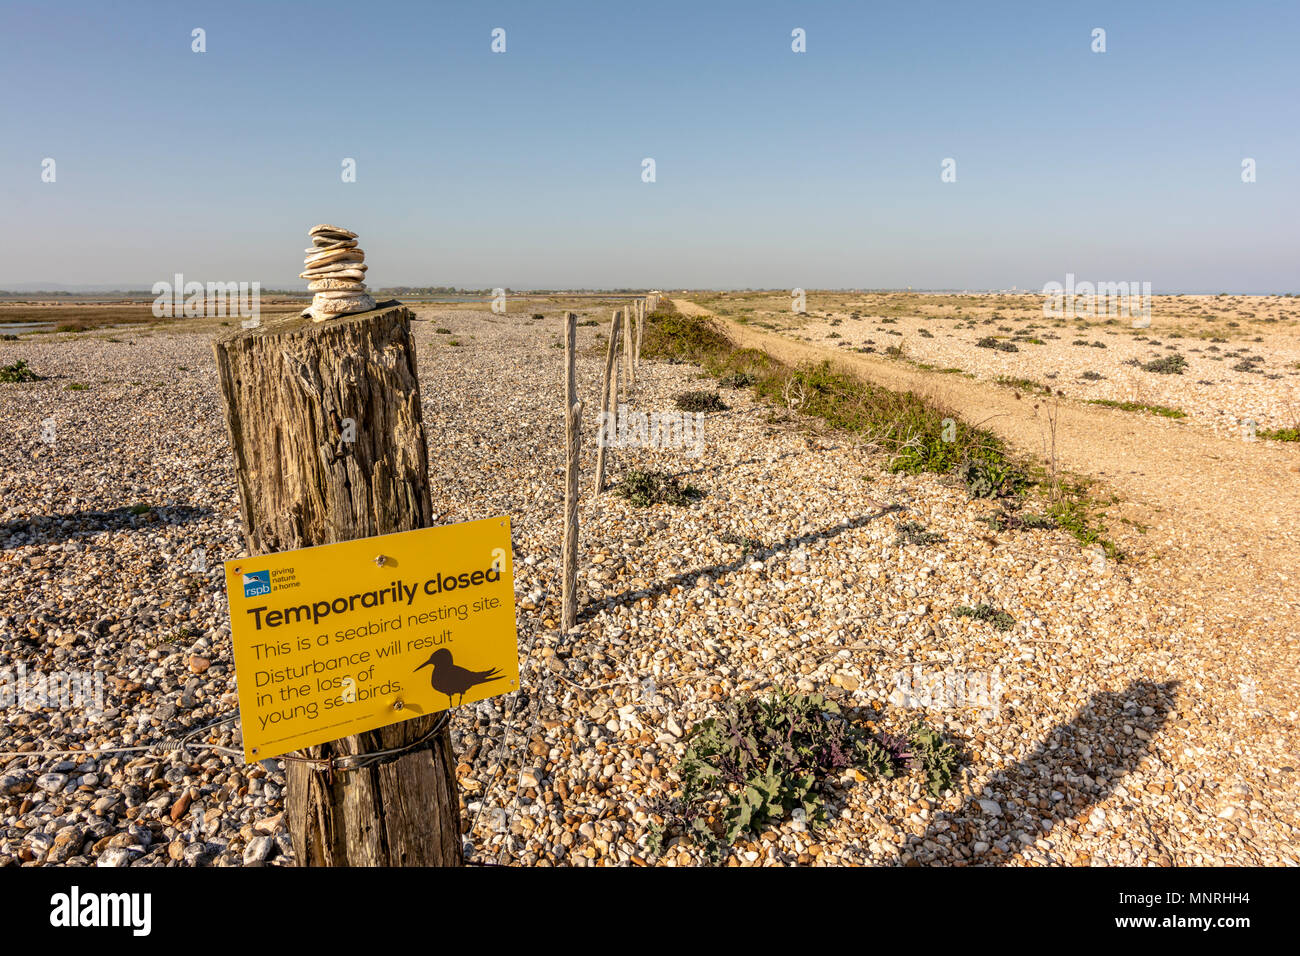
(328, 440)
(608, 399)
(572, 446)
(640, 330)
(627, 350)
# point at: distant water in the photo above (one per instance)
(8, 328)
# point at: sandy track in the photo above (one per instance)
(1221, 515)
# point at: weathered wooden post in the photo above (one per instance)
(628, 370)
(572, 446)
(328, 439)
(640, 330)
(608, 399)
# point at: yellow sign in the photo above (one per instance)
(344, 638)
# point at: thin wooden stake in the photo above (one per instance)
(640, 329)
(608, 394)
(572, 446)
(627, 350)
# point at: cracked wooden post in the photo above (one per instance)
(608, 399)
(572, 447)
(328, 440)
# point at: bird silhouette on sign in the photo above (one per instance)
(453, 680)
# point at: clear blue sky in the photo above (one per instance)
(774, 169)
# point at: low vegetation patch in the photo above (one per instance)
(1280, 434)
(737, 380)
(1001, 620)
(916, 434)
(18, 371)
(700, 401)
(989, 342)
(744, 542)
(915, 533)
(1164, 410)
(1168, 365)
(1024, 384)
(767, 758)
(645, 488)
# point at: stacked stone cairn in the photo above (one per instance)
(335, 270)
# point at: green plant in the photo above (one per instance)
(744, 542)
(1167, 365)
(989, 342)
(645, 488)
(441, 331)
(700, 401)
(1280, 434)
(984, 612)
(1024, 384)
(990, 478)
(76, 387)
(19, 371)
(937, 758)
(737, 380)
(762, 759)
(914, 533)
(1164, 410)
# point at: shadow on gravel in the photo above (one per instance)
(50, 529)
(1098, 727)
(688, 578)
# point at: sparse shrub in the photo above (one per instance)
(745, 543)
(645, 488)
(990, 479)
(443, 331)
(737, 380)
(700, 401)
(989, 342)
(1167, 365)
(1001, 620)
(761, 759)
(19, 371)
(1091, 376)
(914, 533)
(1280, 434)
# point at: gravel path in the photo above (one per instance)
(1120, 734)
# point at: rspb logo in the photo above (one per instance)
(257, 583)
